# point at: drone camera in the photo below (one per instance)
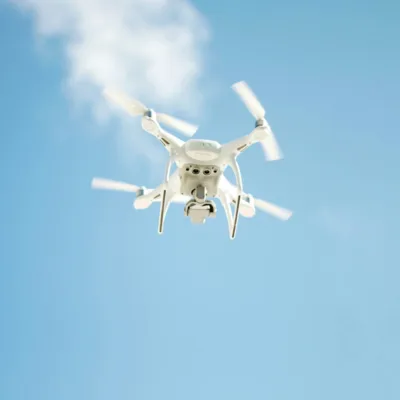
(198, 213)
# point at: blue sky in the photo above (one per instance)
(94, 304)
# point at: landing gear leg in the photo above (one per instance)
(235, 218)
(228, 211)
(165, 199)
(235, 167)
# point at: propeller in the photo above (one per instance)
(270, 145)
(108, 184)
(135, 108)
(273, 209)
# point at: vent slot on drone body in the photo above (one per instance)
(164, 142)
(242, 148)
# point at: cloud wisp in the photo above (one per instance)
(151, 49)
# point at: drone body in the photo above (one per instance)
(201, 164)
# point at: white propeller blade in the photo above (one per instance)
(271, 148)
(178, 124)
(273, 209)
(108, 184)
(249, 99)
(135, 108)
(131, 106)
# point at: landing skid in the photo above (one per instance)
(235, 219)
(162, 213)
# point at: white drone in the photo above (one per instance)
(200, 166)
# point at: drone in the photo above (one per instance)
(199, 177)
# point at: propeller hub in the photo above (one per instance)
(136, 108)
(271, 148)
(262, 122)
(150, 113)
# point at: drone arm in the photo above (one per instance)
(166, 197)
(239, 182)
(238, 146)
(155, 195)
(169, 141)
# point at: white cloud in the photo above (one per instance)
(151, 49)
